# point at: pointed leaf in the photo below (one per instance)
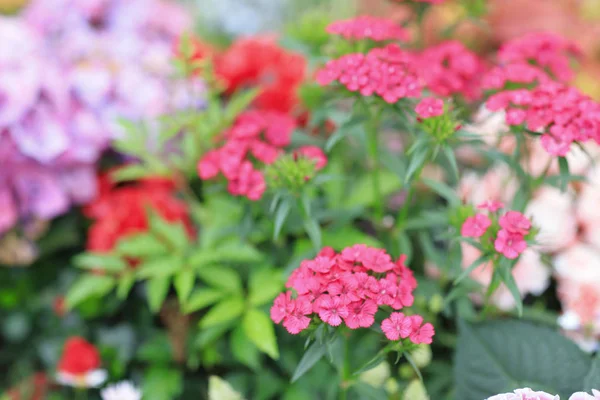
(509, 281)
(449, 153)
(259, 329)
(125, 284)
(443, 190)
(156, 291)
(592, 379)
(105, 262)
(225, 311)
(221, 277)
(311, 356)
(285, 206)
(264, 285)
(141, 245)
(417, 161)
(243, 349)
(202, 298)
(89, 286)
(467, 271)
(184, 283)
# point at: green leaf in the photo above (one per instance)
(89, 286)
(234, 252)
(125, 284)
(105, 262)
(467, 271)
(265, 284)
(259, 329)
(311, 356)
(129, 173)
(344, 131)
(443, 190)
(243, 349)
(220, 389)
(202, 298)
(141, 245)
(221, 277)
(505, 271)
(160, 267)
(156, 291)
(500, 356)
(313, 229)
(164, 383)
(362, 192)
(405, 246)
(184, 283)
(592, 379)
(283, 211)
(364, 391)
(417, 161)
(174, 234)
(563, 166)
(227, 310)
(239, 103)
(449, 153)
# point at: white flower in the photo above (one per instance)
(121, 391)
(91, 379)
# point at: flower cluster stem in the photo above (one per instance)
(372, 129)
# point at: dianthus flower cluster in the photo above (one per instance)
(120, 211)
(528, 394)
(450, 68)
(260, 62)
(263, 134)
(515, 73)
(367, 27)
(429, 107)
(561, 113)
(510, 230)
(70, 69)
(549, 51)
(349, 287)
(388, 72)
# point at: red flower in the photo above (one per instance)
(260, 62)
(79, 357)
(121, 210)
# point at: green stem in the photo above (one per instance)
(345, 373)
(372, 128)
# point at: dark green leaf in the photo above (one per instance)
(285, 206)
(592, 379)
(505, 271)
(500, 356)
(164, 383)
(467, 271)
(365, 391)
(443, 190)
(243, 349)
(311, 356)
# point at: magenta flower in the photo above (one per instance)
(475, 226)
(510, 244)
(314, 153)
(397, 326)
(429, 107)
(491, 205)
(361, 314)
(332, 309)
(515, 222)
(420, 333)
(345, 288)
(293, 312)
(367, 27)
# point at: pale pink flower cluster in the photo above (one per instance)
(528, 394)
(450, 68)
(262, 134)
(349, 287)
(546, 50)
(388, 72)
(367, 27)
